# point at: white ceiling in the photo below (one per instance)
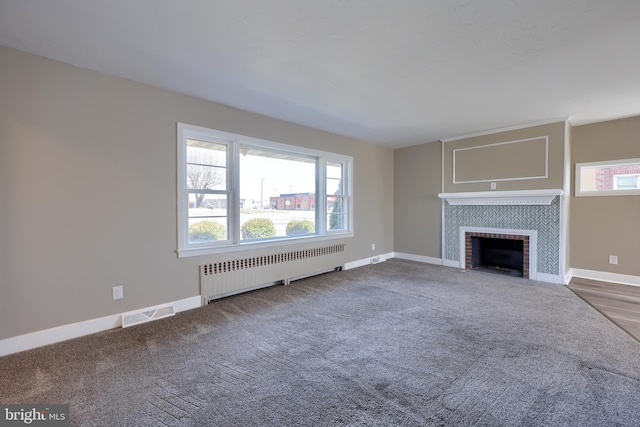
(392, 72)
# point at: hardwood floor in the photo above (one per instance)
(619, 303)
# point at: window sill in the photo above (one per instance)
(243, 247)
(608, 193)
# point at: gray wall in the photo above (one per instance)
(609, 225)
(88, 191)
(418, 210)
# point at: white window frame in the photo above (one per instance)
(234, 141)
(607, 163)
(616, 184)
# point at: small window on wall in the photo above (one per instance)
(608, 178)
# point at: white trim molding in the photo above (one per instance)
(418, 258)
(374, 259)
(604, 276)
(520, 178)
(515, 197)
(76, 330)
(551, 278)
(564, 206)
(506, 129)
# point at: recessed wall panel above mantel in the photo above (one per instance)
(494, 162)
(520, 159)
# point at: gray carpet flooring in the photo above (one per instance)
(396, 343)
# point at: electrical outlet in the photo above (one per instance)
(493, 185)
(118, 292)
(613, 259)
(373, 246)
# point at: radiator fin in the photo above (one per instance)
(230, 277)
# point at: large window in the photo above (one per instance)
(236, 191)
(609, 178)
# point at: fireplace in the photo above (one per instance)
(498, 253)
(533, 217)
(514, 250)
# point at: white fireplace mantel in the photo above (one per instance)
(517, 197)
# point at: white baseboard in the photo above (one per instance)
(418, 258)
(550, 278)
(604, 276)
(367, 261)
(567, 277)
(75, 330)
(356, 264)
(451, 263)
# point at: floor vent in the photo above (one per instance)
(138, 317)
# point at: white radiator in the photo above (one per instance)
(221, 279)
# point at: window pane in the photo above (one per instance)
(206, 153)
(336, 208)
(208, 220)
(208, 205)
(334, 170)
(334, 178)
(275, 224)
(206, 177)
(629, 182)
(207, 230)
(607, 178)
(334, 186)
(336, 202)
(337, 221)
(206, 168)
(277, 194)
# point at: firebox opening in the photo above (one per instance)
(504, 256)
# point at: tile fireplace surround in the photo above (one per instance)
(534, 215)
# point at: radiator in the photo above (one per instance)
(221, 279)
